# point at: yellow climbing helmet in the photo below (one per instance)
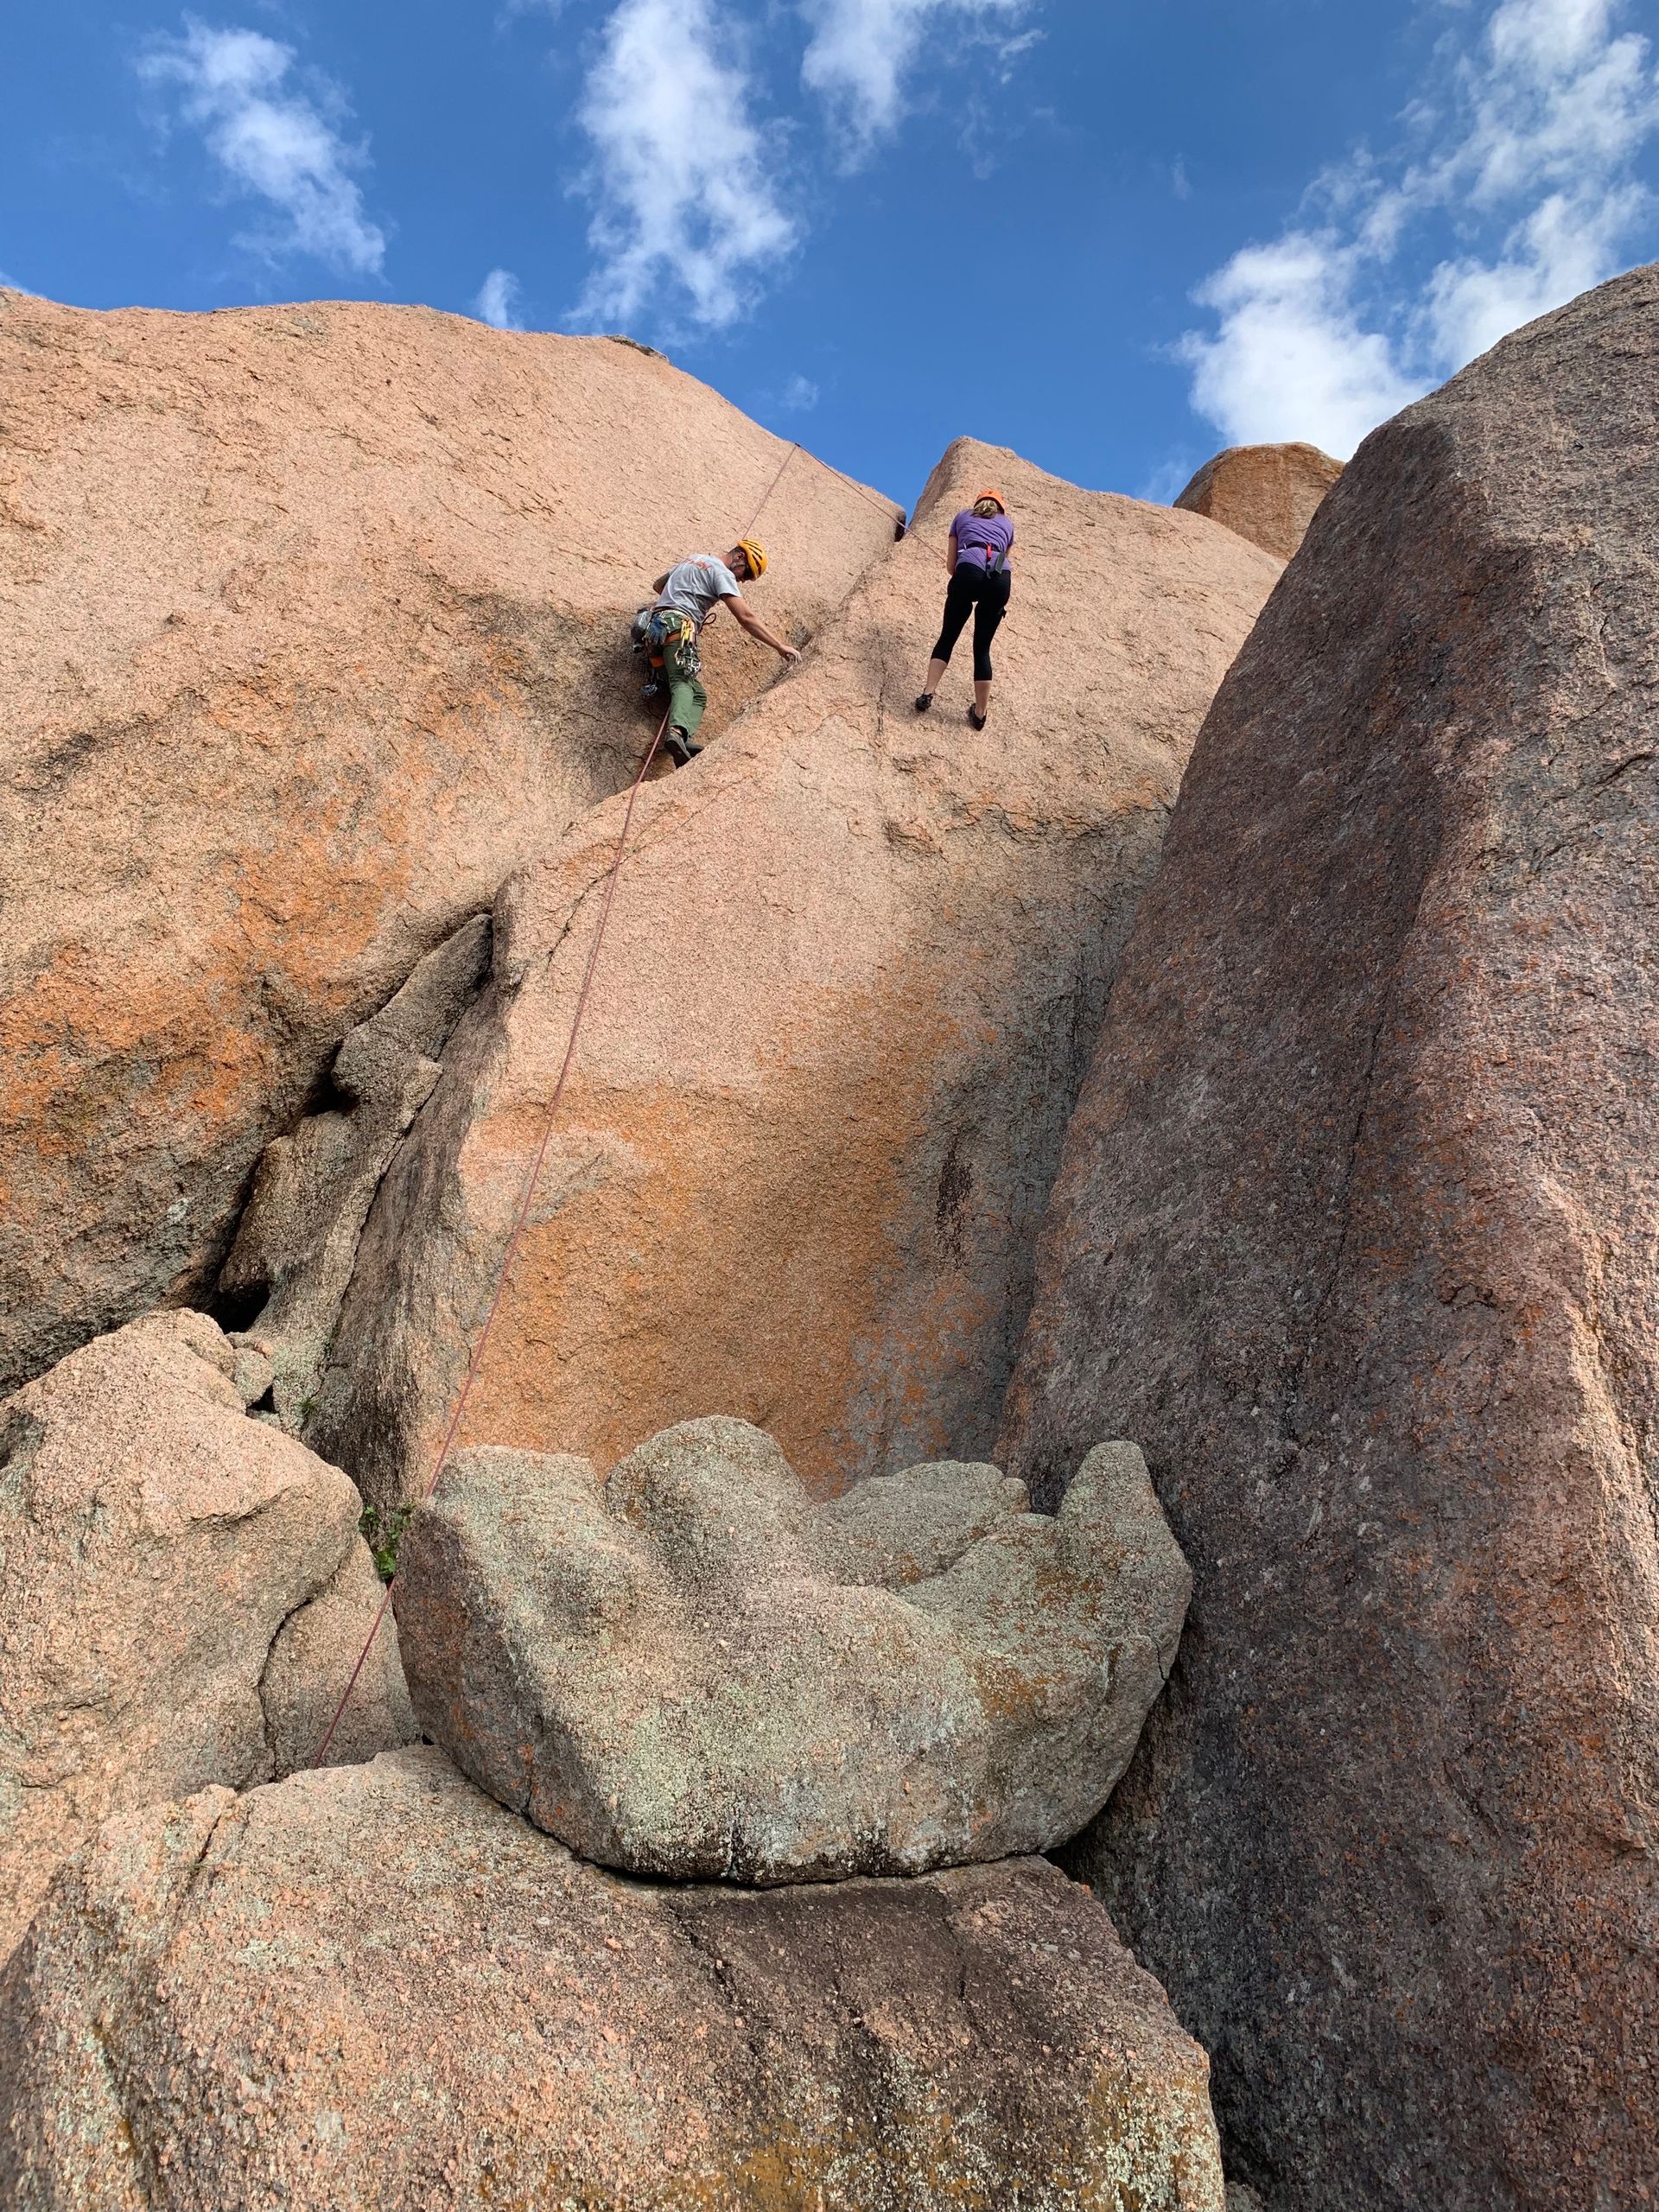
(757, 555)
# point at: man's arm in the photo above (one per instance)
(746, 615)
(661, 583)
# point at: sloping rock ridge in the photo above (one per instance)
(855, 963)
(183, 1594)
(1355, 1232)
(692, 1672)
(373, 1990)
(1269, 494)
(311, 629)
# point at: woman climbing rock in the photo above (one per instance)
(982, 543)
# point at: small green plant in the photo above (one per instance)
(383, 1534)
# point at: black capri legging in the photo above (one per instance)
(985, 592)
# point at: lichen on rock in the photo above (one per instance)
(375, 1990)
(691, 1671)
(183, 1594)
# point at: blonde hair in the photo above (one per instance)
(986, 505)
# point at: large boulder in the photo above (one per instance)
(311, 629)
(376, 1991)
(691, 1671)
(854, 964)
(1266, 493)
(1356, 1232)
(183, 1594)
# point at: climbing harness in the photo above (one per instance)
(659, 630)
(530, 1180)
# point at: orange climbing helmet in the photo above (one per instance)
(755, 553)
(990, 493)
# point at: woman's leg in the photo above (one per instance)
(958, 605)
(988, 616)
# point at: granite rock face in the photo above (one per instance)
(373, 1990)
(855, 961)
(692, 1672)
(311, 630)
(1266, 493)
(1356, 1233)
(296, 1240)
(183, 1594)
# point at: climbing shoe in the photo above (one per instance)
(978, 720)
(923, 701)
(675, 746)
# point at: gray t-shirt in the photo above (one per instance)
(693, 587)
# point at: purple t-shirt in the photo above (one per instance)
(980, 538)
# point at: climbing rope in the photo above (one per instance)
(519, 1222)
(870, 498)
(523, 1217)
(766, 495)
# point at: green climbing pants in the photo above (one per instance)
(686, 697)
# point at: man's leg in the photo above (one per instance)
(686, 697)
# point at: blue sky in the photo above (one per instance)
(1114, 237)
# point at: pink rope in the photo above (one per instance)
(519, 1227)
(520, 1224)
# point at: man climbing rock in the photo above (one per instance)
(687, 595)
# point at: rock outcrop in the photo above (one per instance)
(183, 1594)
(311, 630)
(1266, 493)
(296, 1242)
(855, 963)
(690, 1672)
(374, 1990)
(1356, 1233)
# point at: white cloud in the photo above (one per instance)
(1522, 154)
(1164, 485)
(862, 52)
(1291, 359)
(1561, 249)
(497, 300)
(279, 143)
(799, 396)
(686, 209)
